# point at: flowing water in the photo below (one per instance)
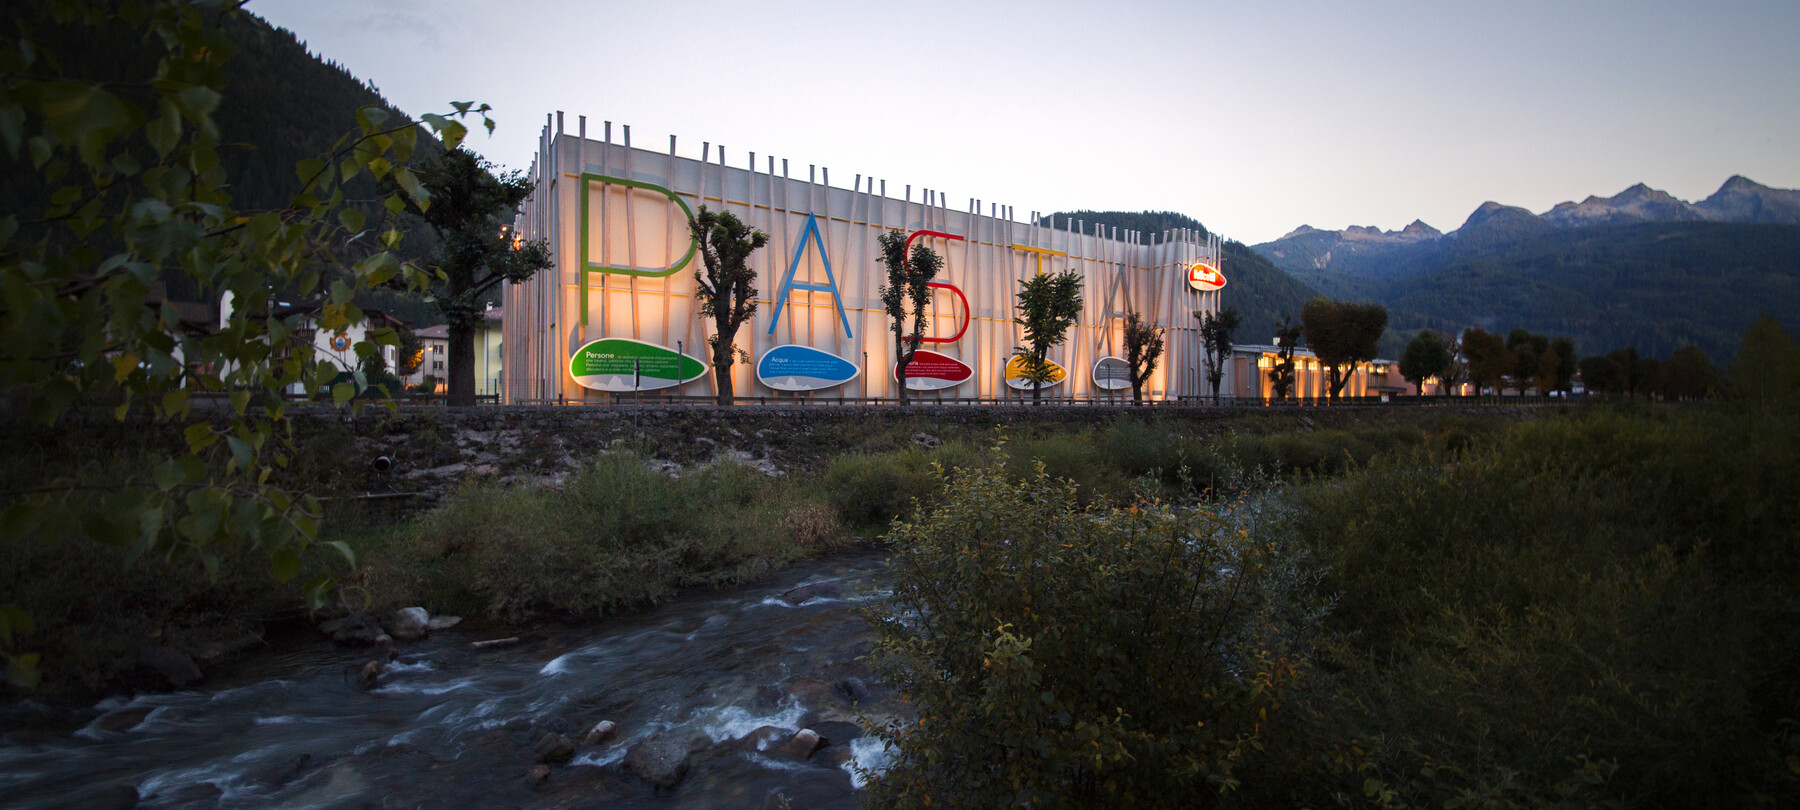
(452, 726)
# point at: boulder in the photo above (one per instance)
(554, 748)
(601, 732)
(171, 665)
(538, 773)
(806, 593)
(443, 623)
(836, 732)
(358, 630)
(409, 623)
(371, 674)
(801, 746)
(121, 720)
(852, 689)
(660, 760)
(925, 440)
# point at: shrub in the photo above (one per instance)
(1584, 610)
(618, 534)
(1061, 657)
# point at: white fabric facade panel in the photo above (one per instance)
(639, 228)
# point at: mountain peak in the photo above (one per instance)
(1744, 200)
(1738, 182)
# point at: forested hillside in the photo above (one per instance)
(281, 105)
(1260, 291)
(1655, 286)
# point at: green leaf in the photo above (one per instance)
(240, 452)
(351, 219)
(343, 392)
(343, 550)
(409, 182)
(199, 436)
(317, 591)
(285, 564)
(168, 475)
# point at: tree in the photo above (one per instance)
(1602, 374)
(1048, 306)
(136, 196)
(1631, 369)
(1143, 347)
(1427, 356)
(907, 283)
(1689, 374)
(725, 284)
(1215, 343)
(1287, 340)
(1766, 374)
(1549, 365)
(1528, 350)
(1342, 334)
(471, 212)
(1566, 363)
(1489, 361)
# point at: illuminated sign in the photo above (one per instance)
(1112, 374)
(622, 364)
(1205, 277)
(931, 371)
(803, 368)
(587, 181)
(789, 284)
(1015, 373)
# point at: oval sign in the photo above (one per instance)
(931, 371)
(1112, 374)
(623, 364)
(803, 368)
(1015, 373)
(1205, 277)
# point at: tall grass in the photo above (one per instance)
(615, 535)
(1585, 610)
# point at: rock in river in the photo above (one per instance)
(660, 760)
(409, 623)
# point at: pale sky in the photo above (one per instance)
(1253, 117)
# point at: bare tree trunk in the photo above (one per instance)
(900, 370)
(461, 389)
(722, 369)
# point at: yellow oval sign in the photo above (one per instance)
(1015, 373)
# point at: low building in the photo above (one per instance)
(1248, 375)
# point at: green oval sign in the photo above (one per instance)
(623, 364)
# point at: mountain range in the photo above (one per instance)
(1369, 251)
(1640, 268)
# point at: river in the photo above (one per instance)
(449, 726)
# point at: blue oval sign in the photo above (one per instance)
(803, 368)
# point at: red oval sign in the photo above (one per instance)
(1205, 278)
(931, 371)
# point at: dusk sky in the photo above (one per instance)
(1252, 117)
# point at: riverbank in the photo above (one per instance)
(515, 516)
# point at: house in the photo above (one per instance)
(435, 350)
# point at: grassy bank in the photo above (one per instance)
(617, 531)
(1592, 610)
